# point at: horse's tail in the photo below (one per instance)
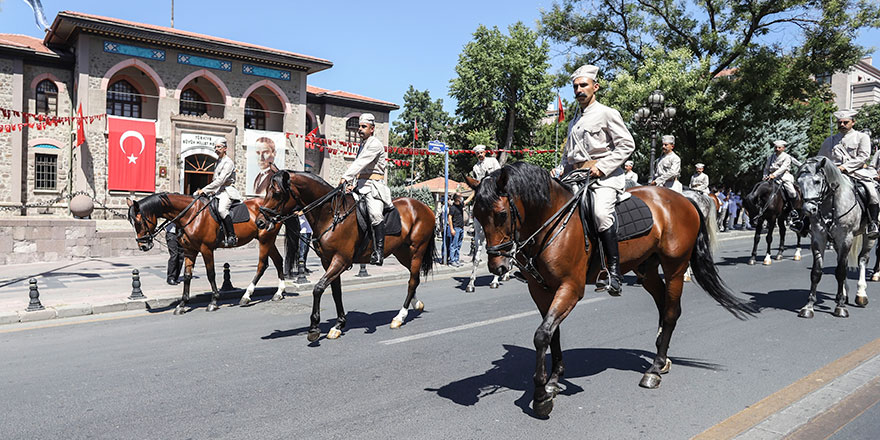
(428, 258)
(706, 274)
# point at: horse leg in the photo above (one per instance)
(876, 273)
(558, 308)
(190, 261)
(494, 284)
(208, 256)
(414, 280)
(331, 271)
(780, 221)
(278, 260)
(840, 274)
(336, 288)
(262, 264)
(470, 287)
(757, 240)
(797, 252)
(817, 246)
(771, 225)
(667, 299)
(861, 293)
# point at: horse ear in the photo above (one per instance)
(129, 202)
(471, 182)
(501, 181)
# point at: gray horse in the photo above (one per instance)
(834, 212)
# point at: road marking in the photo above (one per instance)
(472, 325)
(759, 412)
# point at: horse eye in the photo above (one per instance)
(501, 217)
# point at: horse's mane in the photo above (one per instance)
(153, 204)
(526, 182)
(833, 176)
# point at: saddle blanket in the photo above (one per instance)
(634, 219)
(238, 211)
(392, 219)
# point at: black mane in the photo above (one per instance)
(526, 182)
(154, 204)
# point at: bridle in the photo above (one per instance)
(147, 239)
(823, 195)
(517, 247)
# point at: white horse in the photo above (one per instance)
(479, 245)
(834, 212)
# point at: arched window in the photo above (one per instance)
(309, 125)
(191, 103)
(351, 130)
(123, 100)
(254, 114)
(47, 97)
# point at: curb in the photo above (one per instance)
(163, 300)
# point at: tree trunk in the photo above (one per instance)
(508, 140)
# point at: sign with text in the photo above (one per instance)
(436, 147)
(189, 141)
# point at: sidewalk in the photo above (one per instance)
(93, 286)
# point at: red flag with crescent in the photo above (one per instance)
(131, 155)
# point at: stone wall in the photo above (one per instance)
(6, 155)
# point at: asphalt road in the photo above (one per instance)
(460, 370)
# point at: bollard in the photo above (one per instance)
(301, 273)
(227, 283)
(363, 273)
(35, 297)
(136, 292)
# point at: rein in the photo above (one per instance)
(148, 238)
(769, 199)
(826, 191)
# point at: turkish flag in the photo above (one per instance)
(80, 131)
(131, 156)
(561, 113)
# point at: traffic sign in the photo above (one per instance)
(436, 147)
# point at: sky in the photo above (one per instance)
(378, 48)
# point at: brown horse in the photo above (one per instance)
(331, 213)
(521, 208)
(201, 234)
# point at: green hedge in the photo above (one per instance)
(420, 194)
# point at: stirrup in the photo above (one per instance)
(872, 231)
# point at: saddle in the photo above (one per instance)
(238, 211)
(392, 224)
(861, 195)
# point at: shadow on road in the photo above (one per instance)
(355, 320)
(792, 300)
(514, 372)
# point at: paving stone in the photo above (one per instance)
(39, 315)
(73, 310)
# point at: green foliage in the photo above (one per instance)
(548, 161)
(502, 84)
(433, 124)
(420, 194)
(868, 118)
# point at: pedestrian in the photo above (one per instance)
(733, 209)
(722, 210)
(305, 234)
(668, 168)
(222, 187)
(700, 181)
(455, 234)
(175, 251)
(598, 142)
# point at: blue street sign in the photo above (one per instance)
(436, 147)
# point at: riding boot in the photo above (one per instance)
(231, 239)
(873, 213)
(612, 260)
(378, 244)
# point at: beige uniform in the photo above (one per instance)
(222, 185)
(700, 182)
(852, 151)
(779, 166)
(668, 170)
(598, 133)
(484, 168)
(631, 177)
(368, 169)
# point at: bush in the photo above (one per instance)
(420, 194)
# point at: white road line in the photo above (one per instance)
(472, 325)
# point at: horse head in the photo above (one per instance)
(276, 203)
(144, 222)
(818, 179)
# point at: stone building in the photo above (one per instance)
(194, 88)
(856, 87)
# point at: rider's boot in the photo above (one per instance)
(873, 213)
(378, 244)
(612, 260)
(231, 239)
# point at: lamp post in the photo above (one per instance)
(654, 116)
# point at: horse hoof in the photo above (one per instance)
(862, 301)
(212, 307)
(666, 367)
(395, 323)
(875, 277)
(543, 408)
(244, 301)
(768, 261)
(277, 297)
(469, 289)
(841, 312)
(805, 313)
(493, 286)
(334, 333)
(313, 335)
(420, 306)
(179, 311)
(752, 262)
(687, 278)
(650, 380)
(505, 277)
(797, 257)
(779, 257)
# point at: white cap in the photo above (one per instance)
(699, 165)
(479, 148)
(585, 71)
(367, 118)
(780, 143)
(628, 163)
(669, 139)
(845, 114)
(220, 142)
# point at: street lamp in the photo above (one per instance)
(653, 117)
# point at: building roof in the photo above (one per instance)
(67, 23)
(438, 185)
(346, 96)
(27, 46)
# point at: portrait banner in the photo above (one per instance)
(265, 155)
(131, 155)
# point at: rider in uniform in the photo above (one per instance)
(668, 167)
(778, 169)
(632, 179)
(366, 176)
(483, 167)
(850, 150)
(700, 181)
(222, 188)
(599, 141)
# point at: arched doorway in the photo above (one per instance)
(198, 170)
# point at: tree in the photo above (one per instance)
(867, 119)
(433, 124)
(502, 84)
